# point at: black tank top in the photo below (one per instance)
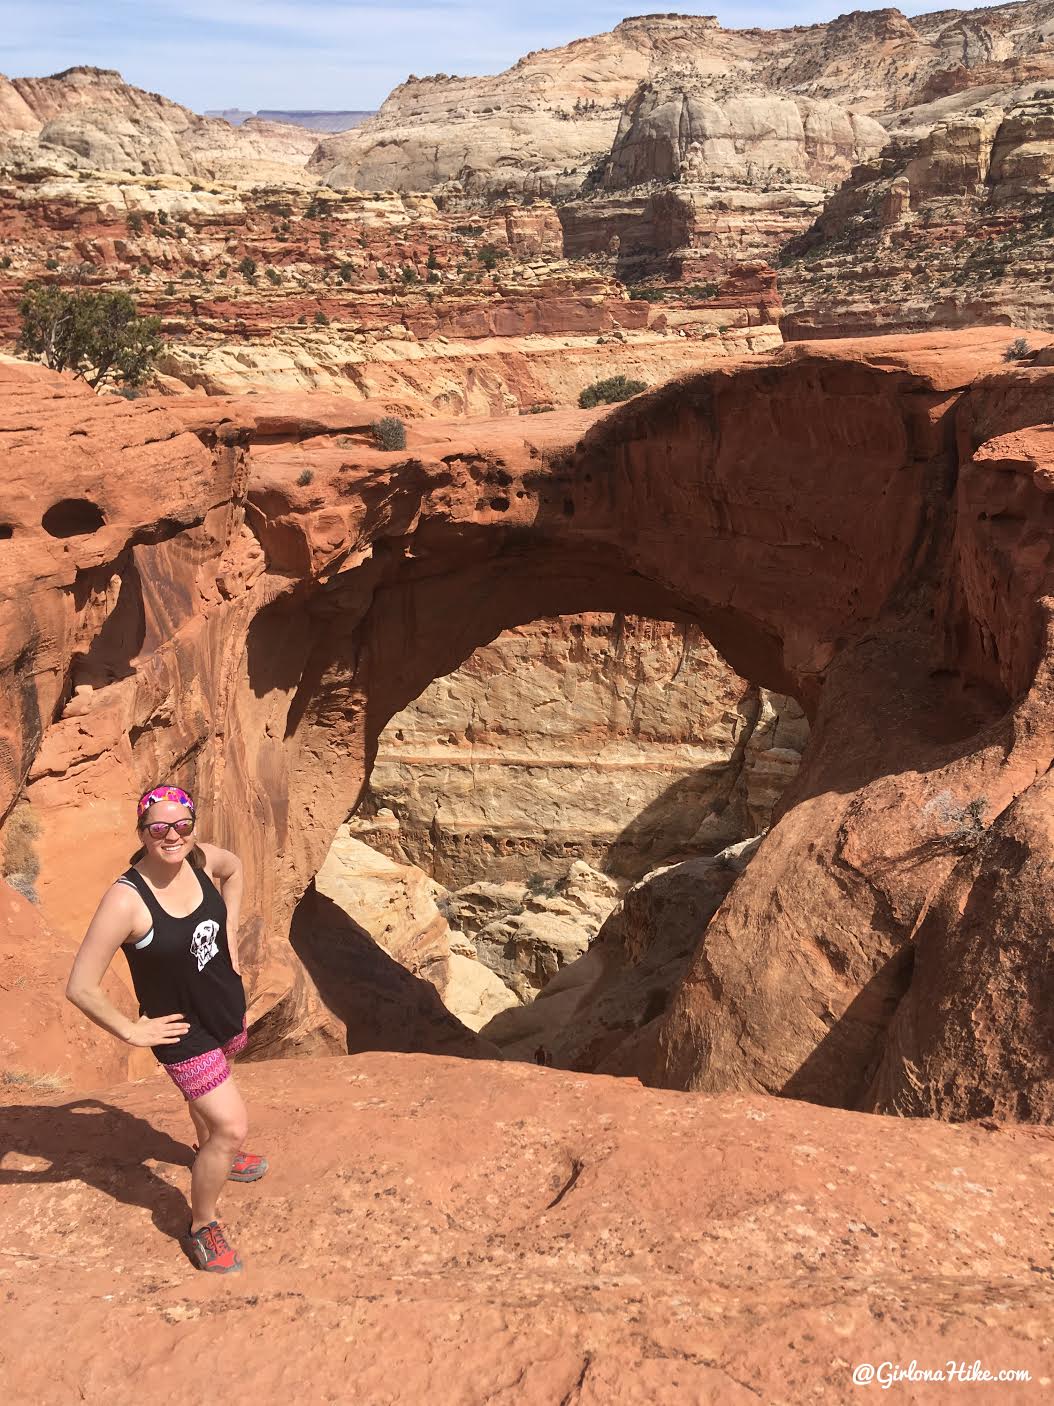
(184, 964)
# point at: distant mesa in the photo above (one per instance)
(313, 121)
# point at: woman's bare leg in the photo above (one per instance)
(201, 1128)
(223, 1112)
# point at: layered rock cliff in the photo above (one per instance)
(90, 119)
(542, 125)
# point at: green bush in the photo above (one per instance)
(304, 478)
(95, 335)
(321, 320)
(5, 262)
(390, 433)
(346, 272)
(1017, 350)
(703, 291)
(489, 256)
(409, 275)
(135, 222)
(647, 295)
(273, 276)
(247, 268)
(608, 392)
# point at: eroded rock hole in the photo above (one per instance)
(548, 830)
(6, 531)
(73, 517)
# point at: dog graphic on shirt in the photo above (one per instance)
(203, 944)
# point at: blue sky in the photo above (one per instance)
(322, 53)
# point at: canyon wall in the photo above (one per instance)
(618, 741)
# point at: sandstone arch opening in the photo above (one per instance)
(524, 817)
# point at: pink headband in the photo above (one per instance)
(163, 793)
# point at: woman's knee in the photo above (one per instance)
(224, 1114)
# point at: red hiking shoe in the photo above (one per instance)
(247, 1167)
(208, 1249)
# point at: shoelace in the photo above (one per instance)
(216, 1242)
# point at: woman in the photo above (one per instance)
(174, 913)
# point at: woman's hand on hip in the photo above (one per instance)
(162, 1030)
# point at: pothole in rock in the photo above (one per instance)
(549, 828)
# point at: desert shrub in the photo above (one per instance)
(20, 863)
(162, 217)
(542, 407)
(609, 391)
(390, 432)
(409, 275)
(321, 320)
(273, 276)
(39, 1083)
(304, 478)
(51, 264)
(470, 231)
(135, 222)
(5, 262)
(489, 256)
(95, 335)
(433, 277)
(1017, 350)
(346, 272)
(647, 295)
(247, 268)
(704, 291)
(433, 262)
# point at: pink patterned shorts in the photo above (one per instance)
(205, 1072)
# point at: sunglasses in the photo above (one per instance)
(158, 829)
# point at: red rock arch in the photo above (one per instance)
(831, 520)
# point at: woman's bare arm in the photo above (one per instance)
(111, 926)
(227, 870)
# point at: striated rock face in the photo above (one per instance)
(527, 1233)
(669, 132)
(954, 226)
(92, 119)
(617, 741)
(874, 523)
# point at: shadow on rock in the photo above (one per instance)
(101, 1146)
(352, 997)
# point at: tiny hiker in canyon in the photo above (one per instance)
(175, 913)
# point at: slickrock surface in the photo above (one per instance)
(619, 741)
(876, 545)
(449, 1231)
